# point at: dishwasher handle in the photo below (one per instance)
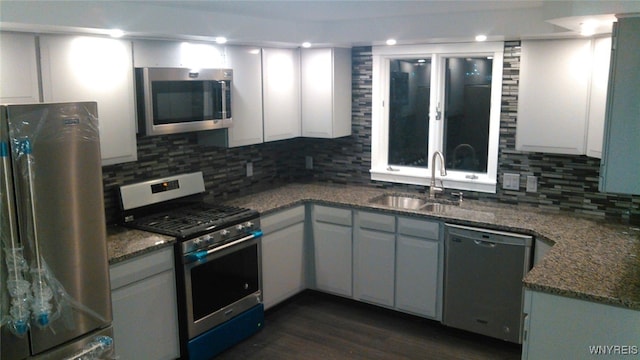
(484, 243)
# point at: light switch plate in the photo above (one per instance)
(511, 181)
(532, 183)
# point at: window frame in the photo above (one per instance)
(455, 179)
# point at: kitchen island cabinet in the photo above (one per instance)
(332, 250)
(145, 313)
(83, 68)
(283, 255)
(18, 69)
(558, 327)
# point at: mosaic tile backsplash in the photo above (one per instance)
(565, 182)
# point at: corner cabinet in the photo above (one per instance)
(82, 68)
(18, 69)
(332, 250)
(281, 93)
(283, 255)
(326, 92)
(620, 165)
(562, 92)
(145, 313)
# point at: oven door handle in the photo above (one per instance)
(202, 255)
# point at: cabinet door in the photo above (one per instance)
(283, 272)
(246, 106)
(281, 93)
(374, 266)
(553, 96)
(620, 165)
(326, 92)
(417, 276)
(78, 68)
(598, 99)
(145, 318)
(333, 258)
(18, 69)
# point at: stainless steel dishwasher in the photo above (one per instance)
(483, 281)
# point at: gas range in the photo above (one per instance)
(174, 206)
(218, 260)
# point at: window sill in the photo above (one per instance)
(423, 177)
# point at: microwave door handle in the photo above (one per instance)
(223, 86)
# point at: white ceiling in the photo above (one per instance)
(336, 23)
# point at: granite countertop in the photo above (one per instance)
(591, 259)
(124, 243)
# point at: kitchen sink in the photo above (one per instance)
(408, 202)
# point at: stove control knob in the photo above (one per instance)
(239, 227)
(249, 225)
(207, 239)
(225, 233)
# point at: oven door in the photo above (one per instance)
(221, 283)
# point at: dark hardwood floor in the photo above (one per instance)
(313, 325)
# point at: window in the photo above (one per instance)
(429, 98)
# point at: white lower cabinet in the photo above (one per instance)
(283, 255)
(332, 250)
(374, 258)
(145, 314)
(398, 263)
(420, 268)
(558, 327)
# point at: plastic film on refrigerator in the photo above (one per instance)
(52, 225)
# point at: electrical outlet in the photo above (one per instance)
(249, 169)
(511, 181)
(308, 162)
(532, 184)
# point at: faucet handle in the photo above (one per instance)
(459, 195)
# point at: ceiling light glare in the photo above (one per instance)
(221, 40)
(588, 27)
(391, 42)
(481, 37)
(116, 33)
(306, 44)
(422, 60)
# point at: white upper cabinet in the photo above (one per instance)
(18, 69)
(326, 92)
(620, 165)
(80, 68)
(561, 97)
(281, 93)
(175, 54)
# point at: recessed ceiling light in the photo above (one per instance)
(481, 37)
(221, 39)
(306, 44)
(116, 33)
(391, 42)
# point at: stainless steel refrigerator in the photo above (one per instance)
(55, 294)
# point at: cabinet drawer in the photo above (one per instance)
(419, 228)
(332, 215)
(282, 219)
(141, 267)
(373, 221)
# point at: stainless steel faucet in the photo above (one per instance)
(443, 172)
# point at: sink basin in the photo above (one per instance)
(399, 201)
(406, 202)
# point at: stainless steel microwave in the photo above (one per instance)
(176, 100)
